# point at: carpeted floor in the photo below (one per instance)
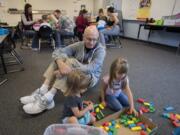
(154, 75)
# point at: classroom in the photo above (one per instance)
(89, 67)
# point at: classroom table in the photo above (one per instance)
(2, 37)
(9, 46)
(167, 28)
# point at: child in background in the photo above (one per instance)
(114, 86)
(73, 108)
(45, 21)
(101, 16)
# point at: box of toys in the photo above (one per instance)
(122, 123)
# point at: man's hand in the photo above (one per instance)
(63, 67)
(57, 73)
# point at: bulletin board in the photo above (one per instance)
(158, 8)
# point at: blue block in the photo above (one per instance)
(110, 133)
(132, 125)
(176, 131)
(166, 115)
(143, 127)
(169, 108)
(151, 104)
(113, 122)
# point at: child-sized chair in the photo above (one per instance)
(46, 33)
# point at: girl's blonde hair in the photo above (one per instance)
(119, 66)
(76, 81)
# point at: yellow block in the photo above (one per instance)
(97, 110)
(148, 130)
(178, 116)
(106, 128)
(134, 119)
(101, 106)
(101, 127)
(130, 122)
(146, 104)
(138, 128)
(117, 126)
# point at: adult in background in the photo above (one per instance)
(81, 23)
(27, 21)
(112, 26)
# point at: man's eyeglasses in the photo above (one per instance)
(91, 39)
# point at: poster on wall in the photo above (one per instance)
(144, 9)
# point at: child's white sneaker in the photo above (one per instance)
(31, 98)
(39, 105)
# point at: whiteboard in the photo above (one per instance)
(158, 8)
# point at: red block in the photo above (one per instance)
(143, 133)
(176, 123)
(173, 117)
(106, 124)
(144, 110)
(93, 113)
(140, 100)
(140, 123)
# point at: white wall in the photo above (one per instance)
(97, 5)
(104, 3)
(72, 7)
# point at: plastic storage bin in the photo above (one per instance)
(3, 31)
(73, 129)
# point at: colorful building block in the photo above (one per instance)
(148, 130)
(146, 104)
(130, 122)
(117, 126)
(137, 128)
(166, 115)
(97, 110)
(101, 106)
(178, 116)
(140, 100)
(169, 108)
(173, 117)
(144, 110)
(176, 131)
(176, 123)
(132, 125)
(143, 133)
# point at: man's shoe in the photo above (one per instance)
(39, 105)
(31, 98)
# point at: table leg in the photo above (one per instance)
(178, 49)
(140, 25)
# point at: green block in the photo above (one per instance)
(115, 132)
(98, 117)
(126, 124)
(122, 121)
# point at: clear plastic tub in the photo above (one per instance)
(73, 129)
